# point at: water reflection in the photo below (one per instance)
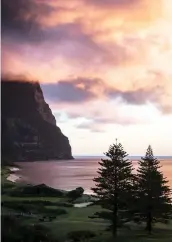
(68, 175)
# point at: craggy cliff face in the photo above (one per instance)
(29, 130)
(42, 106)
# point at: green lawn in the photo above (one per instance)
(20, 199)
(62, 227)
(80, 214)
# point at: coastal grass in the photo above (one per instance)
(31, 199)
(61, 228)
(80, 214)
(5, 172)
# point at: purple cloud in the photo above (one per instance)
(136, 97)
(14, 21)
(71, 91)
(111, 3)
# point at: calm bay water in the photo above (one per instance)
(68, 175)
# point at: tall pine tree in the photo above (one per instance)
(114, 183)
(153, 191)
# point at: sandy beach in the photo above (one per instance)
(13, 177)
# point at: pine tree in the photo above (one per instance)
(153, 192)
(114, 183)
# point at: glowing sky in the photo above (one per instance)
(105, 67)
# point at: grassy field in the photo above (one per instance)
(61, 218)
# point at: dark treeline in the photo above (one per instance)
(141, 196)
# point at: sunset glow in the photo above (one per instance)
(105, 67)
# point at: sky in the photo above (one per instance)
(105, 68)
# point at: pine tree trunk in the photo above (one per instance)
(115, 222)
(115, 211)
(149, 221)
(149, 212)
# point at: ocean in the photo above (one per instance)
(69, 174)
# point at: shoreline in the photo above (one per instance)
(13, 177)
(87, 199)
(17, 178)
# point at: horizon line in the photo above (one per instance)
(76, 155)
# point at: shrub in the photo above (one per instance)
(80, 235)
(64, 204)
(13, 230)
(80, 190)
(48, 203)
(19, 206)
(74, 194)
(49, 211)
(104, 214)
(60, 211)
(40, 190)
(34, 207)
(38, 202)
(137, 219)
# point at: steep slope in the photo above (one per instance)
(29, 130)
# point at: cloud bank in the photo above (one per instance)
(86, 52)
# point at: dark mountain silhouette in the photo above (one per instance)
(29, 130)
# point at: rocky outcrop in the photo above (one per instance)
(29, 130)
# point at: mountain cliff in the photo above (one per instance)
(29, 130)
